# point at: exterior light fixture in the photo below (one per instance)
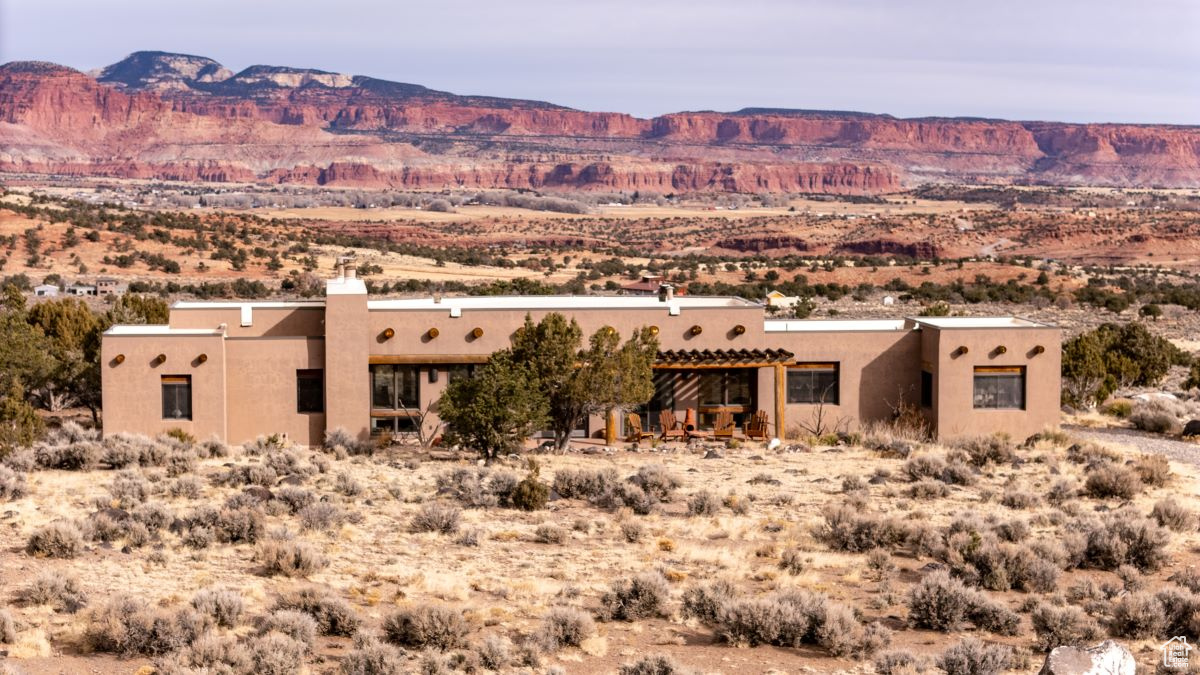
(203, 358)
(961, 350)
(432, 333)
(654, 330)
(696, 329)
(477, 332)
(739, 329)
(389, 333)
(1001, 349)
(119, 359)
(433, 375)
(160, 359)
(1039, 350)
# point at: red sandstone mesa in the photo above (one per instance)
(169, 116)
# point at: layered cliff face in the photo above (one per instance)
(170, 115)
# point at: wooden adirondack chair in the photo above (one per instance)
(670, 425)
(633, 425)
(757, 427)
(723, 426)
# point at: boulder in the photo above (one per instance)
(1192, 428)
(1106, 658)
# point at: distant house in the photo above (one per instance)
(46, 291)
(888, 301)
(81, 290)
(649, 284)
(777, 299)
(109, 286)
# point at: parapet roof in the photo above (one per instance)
(978, 322)
(520, 302)
(831, 325)
(292, 304)
(160, 329)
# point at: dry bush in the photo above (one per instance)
(494, 652)
(1181, 611)
(898, 662)
(1091, 454)
(57, 588)
(1062, 492)
(1156, 416)
(239, 526)
(530, 494)
(792, 561)
(320, 516)
(632, 531)
(276, 654)
(847, 528)
(79, 456)
(1154, 470)
(1126, 538)
(345, 484)
(129, 627)
(1137, 615)
(1062, 626)
(654, 664)
(8, 629)
(1188, 578)
(940, 602)
(549, 533)
(12, 484)
(1112, 481)
(154, 515)
(209, 653)
(984, 450)
(435, 517)
(424, 626)
(958, 472)
(928, 488)
(477, 487)
(370, 656)
(924, 467)
(564, 627)
(58, 539)
(642, 596)
(1016, 498)
(656, 481)
(1171, 515)
(975, 657)
(584, 483)
(249, 474)
(295, 498)
(334, 616)
(289, 557)
(224, 606)
(296, 625)
(704, 503)
(186, 487)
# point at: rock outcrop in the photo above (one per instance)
(1106, 658)
(156, 114)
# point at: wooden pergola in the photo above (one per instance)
(695, 359)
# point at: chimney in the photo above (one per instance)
(666, 293)
(350, 272)
(341, 270)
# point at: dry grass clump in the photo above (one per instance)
(1153, 469)
(58, 539)
(1156, 416)
(57, 588)
(129, 627)
(435, 517)
(792, 561)
(1091, 454)
(975, 657)
(639, 597)
(984, 450)
(1017, 498)
(847, 528)
(941, 602)
(371, 656)
(1137, 615)
(224, 606)
(922, 467)
(564, 627)
(12, 484)
(334, 616)
(276, 654)
(928, 488)
(1126, 538)
(1110, 480)
(1173, 516)
(435, 626)
(654, 664)
(320, 516)
(549, 533)
(584, 483)
(296, 625)
(477, 487)
(704, 503)
(83, 455)
(1062, 626)
(899, 662)
(211, 653)
(656, 481)
(8, 628)
(289, 557)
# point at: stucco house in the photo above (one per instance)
(240, 369)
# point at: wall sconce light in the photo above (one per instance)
(433, 375)
(961, 350)
(432, 333)
(1039, 350)
(119, 359)
(654, 330)
(389, 333)
(1001, 349)
(477, 332)
(739, 329)
(696, 330)
(202, 358)
(160, 359)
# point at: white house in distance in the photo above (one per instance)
(45, 291)
(110, 286)
(81, 290)
(777, 299)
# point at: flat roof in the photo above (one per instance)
(159, 329)
(290, 304)
(977, 322)
(560, 302)
(831, 325)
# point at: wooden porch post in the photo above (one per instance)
(780, 400)
(610, 427)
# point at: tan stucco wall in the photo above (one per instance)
(262, 391)
(265, 321)
(132, 390)
(347, 373)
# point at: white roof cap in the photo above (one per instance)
(831, 325)
(559, 302)
(200, 304)
(977, 322)
(160, 329)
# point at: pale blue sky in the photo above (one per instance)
(1071, 60)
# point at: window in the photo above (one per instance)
(926, 389)
(726, 388)
(310, 391)
(1000, 387)
(459, 371)
(813, 383)
(395, 387)
(663, 399)
(177, 397)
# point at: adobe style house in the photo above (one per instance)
(241, 369)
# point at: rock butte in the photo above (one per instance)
(179, 117)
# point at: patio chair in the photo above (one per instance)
(723, 426)
(757, 426)
(633, 427)
(670, 425)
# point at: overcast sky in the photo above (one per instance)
(1071, 60)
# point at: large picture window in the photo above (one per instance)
(310, 391)
(726, 388)
(177, 397)
(395, 387)
(813, 383)
(1000, 387)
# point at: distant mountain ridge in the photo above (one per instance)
(165, 115)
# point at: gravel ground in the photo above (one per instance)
(1179, 451)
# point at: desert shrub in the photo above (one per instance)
(653, 664)
(790, 619)
(1188, 578)
(1112, 481)
(1062, 492)
(286, 463)
(296, 625)
(632, 531)
(704, 601)
(924, 467)
(1137, 615)
(12, 484)
(180, 462)
(1016, 498)
(564, 627)
(941, 602)
(212, 449)
(975, 657)
(289, 557)
(531, 494)
(59, 539)
(1126, 538)
(264, 444)
(897, 662)
(249, 474)
(1154, 470)
(1181, 611)
(1131, 577)
(1062, 626)
(853, 484)
(223, 605)
(435, 517)
(370, 656)
(656, 481)
(880, 562)
(1013, 529)
(57, 588)
(984, 450)
(320, 516)
(198, 537)
(21, 460)
(792, 561)
(243, 525)
(584, 484)
(276, 654)
(639, 597)
(549, 533)
(1170, 514)
(477, 487)
(154, 515)
(8, 630)
(186, 487)
(468, 537)
(958, 472)
(927, 488)
(1155, 416)
(1119, 409)
(345, 484)
(1091, 454)
(209, 653)
(77, 456)
(704, 503)
(129, 627)
(424, 626)
(334, 616)
(295, 498)
(849, 529)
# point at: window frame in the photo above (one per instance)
(998, 374)
(176, 383)
(310, 375)
(834, 367)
